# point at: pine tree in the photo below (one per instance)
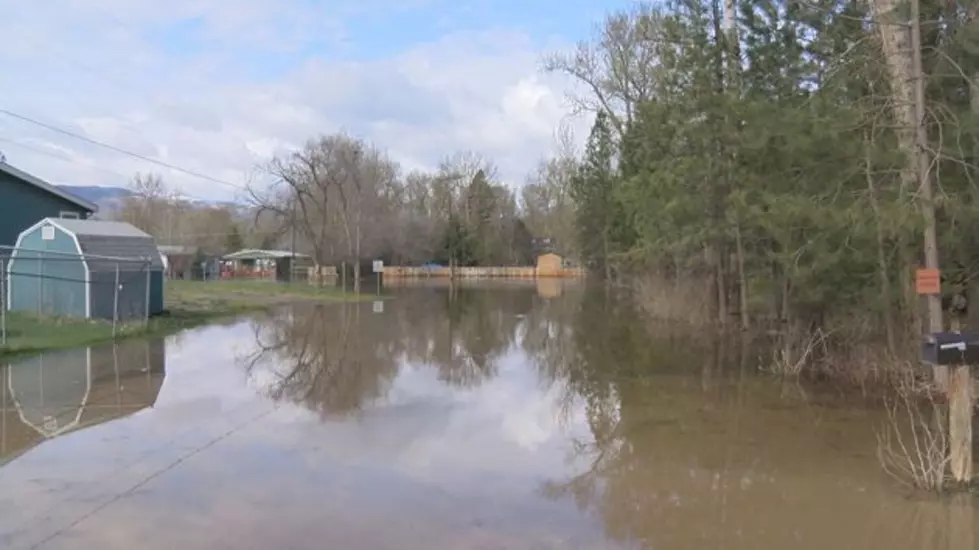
(593, 190)
(234, 240)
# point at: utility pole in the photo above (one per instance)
(292, 260)
(959, 385)
(935, 321)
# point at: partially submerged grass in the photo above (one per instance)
(678, 300)
(188, 304)
(253, 295)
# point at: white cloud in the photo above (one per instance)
(101, 69)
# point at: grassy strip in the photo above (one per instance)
(189, 304)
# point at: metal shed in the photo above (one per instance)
(85, 268)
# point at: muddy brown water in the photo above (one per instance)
(485, 417)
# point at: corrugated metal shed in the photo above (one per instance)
(98, 238)
(90, 268)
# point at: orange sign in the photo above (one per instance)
(928, 281)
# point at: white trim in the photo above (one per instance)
(78, 247)
(10, 261)
(81, 409)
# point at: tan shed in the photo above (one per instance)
(549, 265)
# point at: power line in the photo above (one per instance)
(182, 194)
(66, 160)
(119, 150)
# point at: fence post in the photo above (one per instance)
(115, 302)
(40, 281)
(146, 303)
(3, 302)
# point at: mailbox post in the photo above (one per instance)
(959, 351)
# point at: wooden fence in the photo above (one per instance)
(322, 274)
(401, 272)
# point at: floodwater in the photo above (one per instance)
(486, 417)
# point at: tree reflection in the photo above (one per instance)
(338, 358)
(318, 357)
(611, 361)
(689, 448)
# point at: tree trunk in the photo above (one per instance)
(720, 183)
(605, 256)
(357, 265)
(902, 54)
(742, 280)
(723, 311)
(885, 280)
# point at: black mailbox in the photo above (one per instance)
(951, 348)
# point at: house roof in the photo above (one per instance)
(257, 254)
(41, 184)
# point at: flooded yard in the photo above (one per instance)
(490, 417)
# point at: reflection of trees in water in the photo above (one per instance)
(473, 331)
(319, 357)
(688, 449)
(606, 355)
(337, 358)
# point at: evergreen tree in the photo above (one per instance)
(593, 190)
(234, 240)
(481, 206)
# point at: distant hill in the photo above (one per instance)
(96, 194)
(109, 198)
(106, 198)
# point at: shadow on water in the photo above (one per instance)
(500, 415)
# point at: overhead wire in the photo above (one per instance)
(66, 160)
(51, 154)
(120, 150)
(105, 76)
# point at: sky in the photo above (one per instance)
(217, 87)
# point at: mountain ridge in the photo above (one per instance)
(110, 196)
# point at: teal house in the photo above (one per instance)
(89, 269)
(24, 199)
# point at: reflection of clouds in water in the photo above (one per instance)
(436, 443)
(197, 367)
(423, 427)
(506, 425)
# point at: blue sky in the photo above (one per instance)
(217, 86)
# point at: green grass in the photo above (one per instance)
(188, 303)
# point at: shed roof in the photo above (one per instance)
(100, 228)
(41, 184)
(104, 243)
(258, 254)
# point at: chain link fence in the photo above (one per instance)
(49, 284)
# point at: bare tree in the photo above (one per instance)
(334, 194)
(152, 206)
(617, 70)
